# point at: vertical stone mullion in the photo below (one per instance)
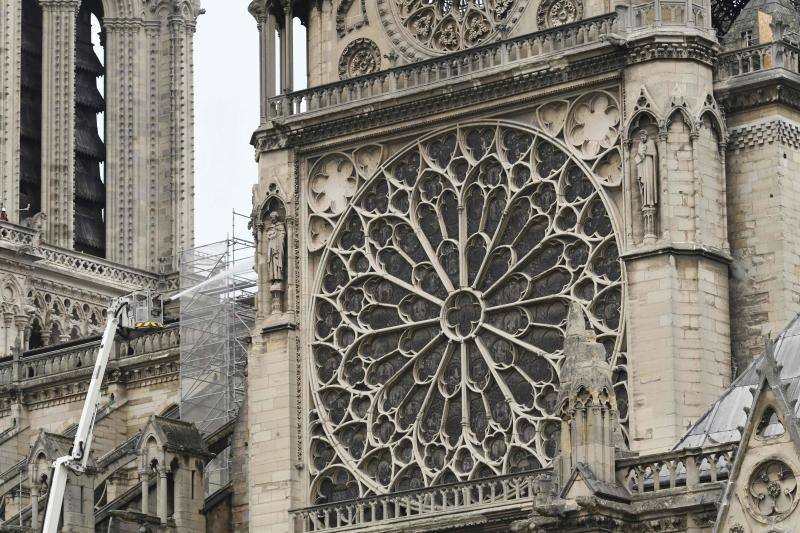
(58, 119)
(10, 65)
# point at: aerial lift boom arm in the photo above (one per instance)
(119, 315)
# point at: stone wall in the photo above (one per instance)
(762, 190)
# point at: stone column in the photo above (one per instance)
(144, 477)
(265, 21)
(9, 334)
(161, 489)
(287, 44)
(33, 482)
(58, 119)
(10, 45)
(21, 322)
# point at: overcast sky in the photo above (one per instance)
(226, 114)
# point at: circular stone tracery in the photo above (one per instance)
(773, 491)
(461, 314)
(440, 312)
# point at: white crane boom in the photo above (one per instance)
(120, 314)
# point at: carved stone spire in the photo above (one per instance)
(586, 403)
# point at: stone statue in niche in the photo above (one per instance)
(273, 256)
(275, 233)
(646, 159)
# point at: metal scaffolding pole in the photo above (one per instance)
(218, 285)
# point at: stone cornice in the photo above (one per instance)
(781, 87)
(284, 326)
(71, 386)
(684, 249)
(691, 48)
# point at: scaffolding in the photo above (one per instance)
(217, 312)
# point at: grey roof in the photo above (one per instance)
(722, 423)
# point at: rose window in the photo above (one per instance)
(773, 490)
(449, 25)
(440, 310)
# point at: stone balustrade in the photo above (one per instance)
(684, 468)
(55, 361)
(127, 279)
(665, 13)
(464, 64)
(637, 15)
(780, 54)
(509, 490)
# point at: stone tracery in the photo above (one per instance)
(449, 25)
(440, 311)
(773, 490)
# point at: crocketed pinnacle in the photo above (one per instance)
(585, 369)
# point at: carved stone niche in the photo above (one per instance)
(271, 260)
(644, 178)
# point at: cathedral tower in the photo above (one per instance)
(120, 187)
(96, 159)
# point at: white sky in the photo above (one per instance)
(226, 114)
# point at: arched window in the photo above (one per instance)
(90, 149)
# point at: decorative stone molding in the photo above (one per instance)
(774, 131)
(359, 58)
(701, 51)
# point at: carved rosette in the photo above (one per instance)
(439, 329)
(358, 58)
(553, 13)
(772, 489)
(443, 26)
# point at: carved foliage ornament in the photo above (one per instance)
(448, 25)
(553, 13)
(773, 491)
(440, 308)
(358, 58)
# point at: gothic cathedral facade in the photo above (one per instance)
(511, 253)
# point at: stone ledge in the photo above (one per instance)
(685, 249)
